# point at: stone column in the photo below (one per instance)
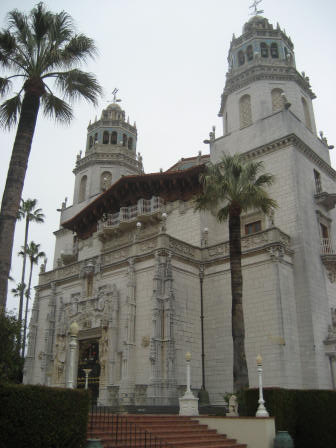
(72, 374)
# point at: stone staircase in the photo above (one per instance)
(156, 431)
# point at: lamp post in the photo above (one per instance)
(261, 411)
(188, 403)
(188, 359)
(202, 394)
(87, 372)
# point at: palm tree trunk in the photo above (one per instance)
(23, 268)
(240, 372)
(26, 310)
(14, 185)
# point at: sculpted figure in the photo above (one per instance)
(233, 406)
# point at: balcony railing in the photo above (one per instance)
(328, 246)
(142, 208)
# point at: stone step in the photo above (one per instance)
(169, 431)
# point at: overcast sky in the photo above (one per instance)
(168, 59)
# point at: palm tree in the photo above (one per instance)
(29, 213)
(231, 187)
(34, 254)
(36, 48)
(18, 292)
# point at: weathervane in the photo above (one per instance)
(256, 11)
(114, 93)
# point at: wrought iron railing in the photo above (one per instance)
(119, 430)
(328, 246)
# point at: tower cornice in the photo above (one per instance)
(294, 141)
(111, 123)
(257, 71)
(262, 34)
(109, 159)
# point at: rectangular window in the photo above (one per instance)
(324, 231)
(252, 227)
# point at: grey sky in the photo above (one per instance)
(169, 60)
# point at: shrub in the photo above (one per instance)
(308, 415)
(10, 360)
(42, 417)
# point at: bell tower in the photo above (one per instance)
(109, 154)
(262, 79)
(268, 116)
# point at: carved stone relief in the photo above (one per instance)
(332, 327)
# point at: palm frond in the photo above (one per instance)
(61, 29)
(265, 180)
(223, 213)
(7, 48)
(77, 84)
(18, 23)
(56, 108)
(5, 85)
(79, 48)
(36, 215)
(41, 21)
(10, 111)
(234, 184)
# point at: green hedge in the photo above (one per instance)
(308, 415)
(42, 417)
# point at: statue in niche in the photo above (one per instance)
(332, 327)
(333, 317)
(103, 352)
(101, 298)
(74, 304)
(59, 360)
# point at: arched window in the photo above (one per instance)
(114, 137)
(124, 140)
(274, 51)
(306, 113)
(241, 57)
(106, 138)
(263, 50)
(105, 180)
(96, 138)
(130, 143)
(90, 141)
(249, 53)
(277, 100)
(245, 112)
(82, 189)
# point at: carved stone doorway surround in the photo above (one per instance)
(88, 358)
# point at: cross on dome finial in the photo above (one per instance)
(114, 93)
(256, 11)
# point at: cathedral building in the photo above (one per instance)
(137, 271)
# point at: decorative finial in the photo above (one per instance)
(256, 10)
(115, 99)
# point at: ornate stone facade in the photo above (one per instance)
(130, 277)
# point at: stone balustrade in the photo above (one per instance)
(142, 208)
(328, 246)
